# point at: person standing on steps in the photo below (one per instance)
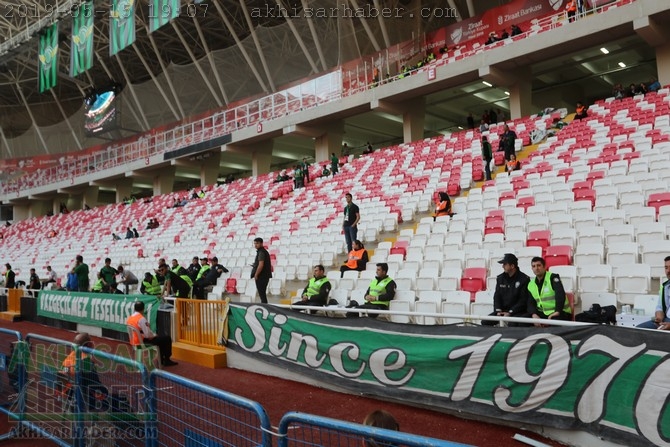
(352, 215)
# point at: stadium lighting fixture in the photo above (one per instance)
(605, 50)
(488, 84)
(622, 65)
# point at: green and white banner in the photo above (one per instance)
(47, 53)
(161, 12)
(95, 309)
(121, 25)
(81, 53)
(612, 382)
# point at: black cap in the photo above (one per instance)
(509, 258)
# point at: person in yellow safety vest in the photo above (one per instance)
(356, 260)
(99, 285)
(175, 266)
(379, 293)
(150, 285)
(549, 301)
(204, 267)
(317, 290)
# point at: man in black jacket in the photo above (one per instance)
(511, 294)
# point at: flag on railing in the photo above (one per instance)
(161, 12)
(121, 25)
(48, 58)
(81, 53)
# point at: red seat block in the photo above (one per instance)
(586, 194)
(494, 226)
(231, 285)
(525, 202)
(659, 199)
(558, 255)
(539, 238)
(473, 280)
(506, 195)
(398, 251)
(499, 158)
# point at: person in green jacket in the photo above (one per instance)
(81, 270)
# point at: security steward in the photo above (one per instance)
(380, 292)
(150, 285)
(317, 290)
(357, 259)
(549, 301)
(179, 284)
(511, 293)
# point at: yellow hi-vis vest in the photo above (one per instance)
(202, 271)
(546, 299)
(315, 285)
(378, 287)
(152, 288)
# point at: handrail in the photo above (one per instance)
(324, 89)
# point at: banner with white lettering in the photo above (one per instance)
(609, 381)
(95, 309)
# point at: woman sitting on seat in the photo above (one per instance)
(443, 207)
(512, 165)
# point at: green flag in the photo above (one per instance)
(121, 25)
(48, 58)
(161, 12)
(81, 55)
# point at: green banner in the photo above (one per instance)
(95, 309)
(81, 53)
(121, 25)
(161, 12)
(606, 380)
(48, 58)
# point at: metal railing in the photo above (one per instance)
(201, 322)
(324, 89)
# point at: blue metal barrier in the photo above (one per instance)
(12, 374)
(300, 429)
(100, 398)
(192, 414)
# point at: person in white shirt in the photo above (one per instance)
(52, 277)
(126, 277)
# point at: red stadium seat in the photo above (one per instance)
(399, 251)
(586, 184)
(231, 285)
(658, 200)
(506, 195)
(499, 158)
(494, 226)
(586, 194)
(539, 238)
(473, 280)
(525, 202)
(558, 255)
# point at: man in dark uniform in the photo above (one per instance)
(511, 294)
(178, 284)
(262, 269)
(193, 269)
